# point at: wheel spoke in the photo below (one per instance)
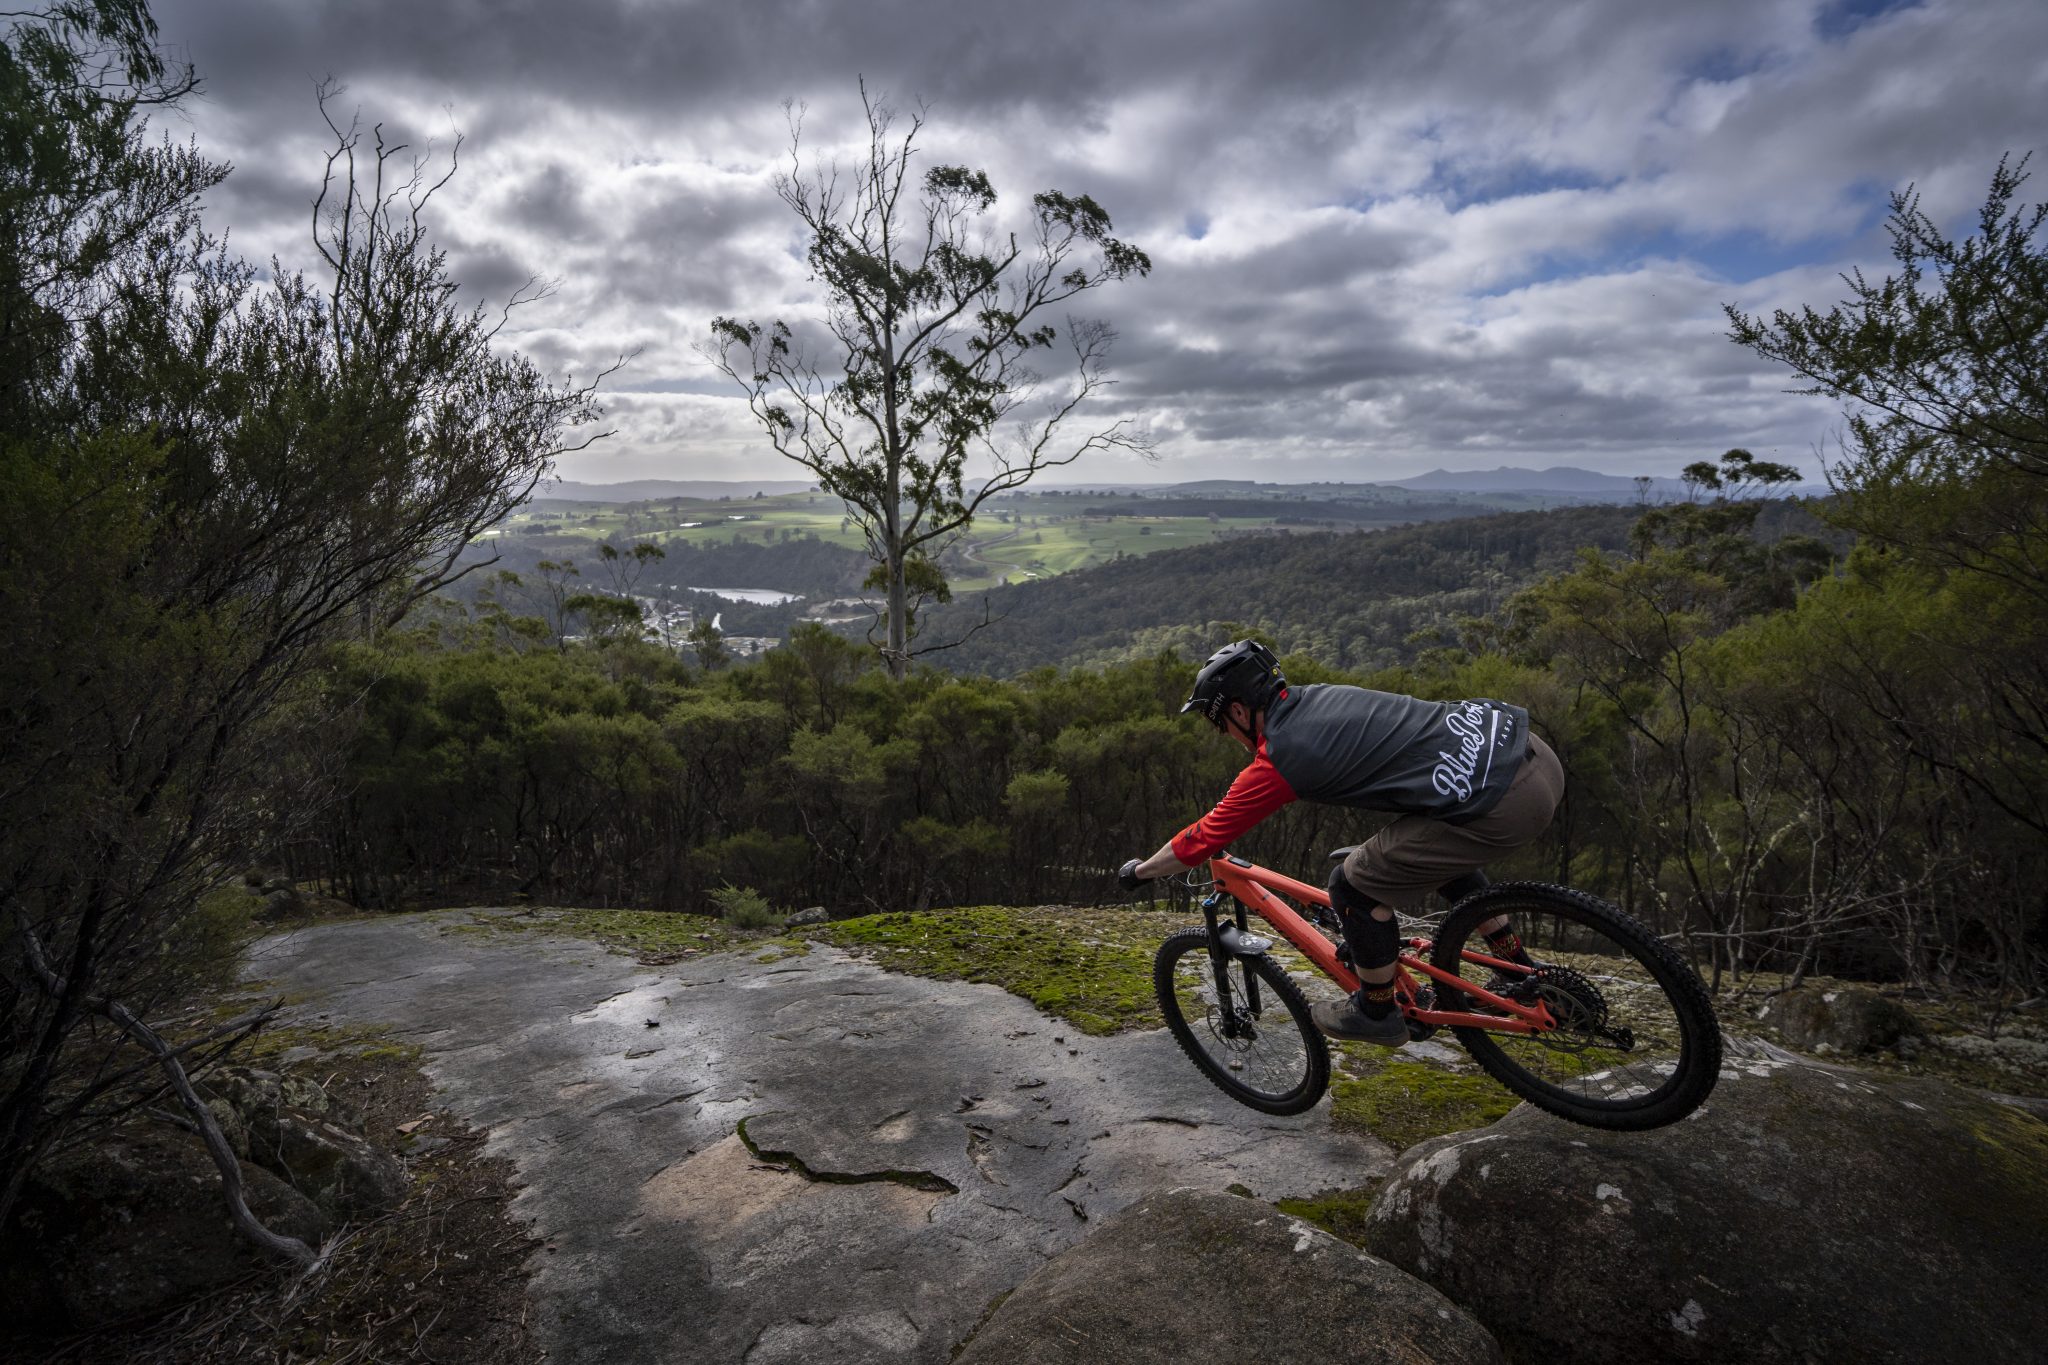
(1265, 1053)
(1633, 1035)
(1270, 1058)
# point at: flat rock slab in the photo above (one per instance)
(806, 1159)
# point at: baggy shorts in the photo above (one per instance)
(1406, 862)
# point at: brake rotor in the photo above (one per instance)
(1575, 1003)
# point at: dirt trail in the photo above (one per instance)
(808, 1159)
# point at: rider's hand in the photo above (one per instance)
(1127, 876)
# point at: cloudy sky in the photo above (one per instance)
(1387, 235)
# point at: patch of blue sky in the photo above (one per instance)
(1721, 65)
(1197, 226)
(1735, 257)
(1462, 187)
(1840, 18)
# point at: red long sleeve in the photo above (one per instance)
(1258, 791)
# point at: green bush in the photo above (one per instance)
(744, 908)
(205, 950)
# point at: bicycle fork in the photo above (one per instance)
(1228, 942)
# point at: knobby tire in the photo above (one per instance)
(1278, 993)
(1625, 960)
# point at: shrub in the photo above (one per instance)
(206, 948)
(744, 908)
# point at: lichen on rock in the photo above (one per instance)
(1809, 1212)
(1140, 1291)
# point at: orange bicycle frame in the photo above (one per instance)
(1253, 887)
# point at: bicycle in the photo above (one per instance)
(1609, 1028)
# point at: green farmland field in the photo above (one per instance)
(1026, 537)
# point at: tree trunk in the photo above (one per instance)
(899, 634)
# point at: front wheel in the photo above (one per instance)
(1249, 1031)
(1636, 1044)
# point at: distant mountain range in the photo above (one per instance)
(1558, 484)
(1557, 479)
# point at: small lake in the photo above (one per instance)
(764, 596)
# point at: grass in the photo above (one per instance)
(757, 519)
(1052, 548)
(1091, 968)
(1046, 538)
(654, 937)
(1402, 1102)
(1341, 1213)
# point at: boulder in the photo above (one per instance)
(814, 914)
(1805, 1213)
(136, 1224)
(1848, 1020)
(252, 1096)
(1189, 1277)
(289, 1126)
(246, 1098)
(335, 1168)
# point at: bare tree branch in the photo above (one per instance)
(200, 1117)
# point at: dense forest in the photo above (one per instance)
(1350, 600)
(1730, 781)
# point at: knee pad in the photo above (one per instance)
(1470, 884)
(1374, 942)
(1346, 899)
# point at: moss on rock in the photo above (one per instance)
(1092, 968)
(1402, 1102)
(1341, 1213)
(654, 937)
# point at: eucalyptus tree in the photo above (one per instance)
(1945, 463)
(1945, 452)
(935, 318)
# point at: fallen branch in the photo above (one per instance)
(166, 1057)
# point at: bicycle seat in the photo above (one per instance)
(1338, 855)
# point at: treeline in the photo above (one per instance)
(615, 774)
(1353, 600)
(1712, 691)
(1380, 511)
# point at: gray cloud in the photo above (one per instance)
(1386, 236)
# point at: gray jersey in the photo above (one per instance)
(1350, 746)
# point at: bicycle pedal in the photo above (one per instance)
(1425, 999)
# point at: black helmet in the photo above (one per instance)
(1245, 671)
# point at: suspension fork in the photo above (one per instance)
(1219, 964)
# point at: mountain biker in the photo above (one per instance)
(1467, 779)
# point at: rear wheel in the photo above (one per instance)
(1637, 1045)
(1251, 1033)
